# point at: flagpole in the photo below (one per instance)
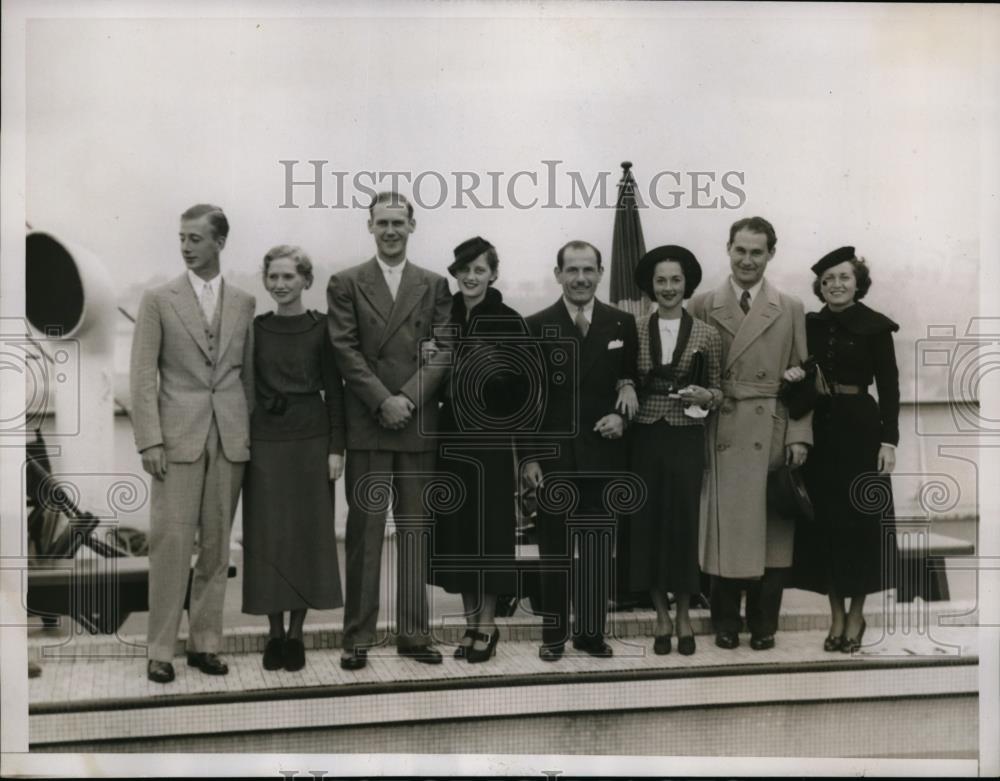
(627, 247)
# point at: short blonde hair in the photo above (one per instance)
(303, 264)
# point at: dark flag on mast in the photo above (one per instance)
(626, 248)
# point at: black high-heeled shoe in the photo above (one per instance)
(662, 644)
(460, 651)
(833, 643)
(852, 644)
(474, 656)
(274, 653)
(686, 645)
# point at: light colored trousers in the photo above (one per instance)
(199, 497)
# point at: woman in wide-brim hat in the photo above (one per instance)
(855, 437)
(679, 383)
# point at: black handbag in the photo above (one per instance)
(787, 495)
(800, 397)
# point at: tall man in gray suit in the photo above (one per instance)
(191, 375)
(379, 313)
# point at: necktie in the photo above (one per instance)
(392, 279)
(208, 302)
(581, 322)
(745, 301)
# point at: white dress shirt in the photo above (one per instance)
(588, 310)
(669, 331)
(753, 291)
(393, 275)
(198, 285)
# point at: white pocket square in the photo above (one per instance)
(616, 344)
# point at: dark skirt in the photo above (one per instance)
(852, 545)
(663, 538)
(473, 548)
(289, 542)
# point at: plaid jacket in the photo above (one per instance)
(652, 405)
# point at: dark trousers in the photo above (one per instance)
(583, 581)
(763, 602)
(373, 477)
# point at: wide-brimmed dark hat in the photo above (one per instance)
(831, 259)
(689, 265)
(468, 251)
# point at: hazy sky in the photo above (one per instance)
(846, 124)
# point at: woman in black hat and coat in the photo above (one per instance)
(679, 382)
(854, 449)
(487, 389)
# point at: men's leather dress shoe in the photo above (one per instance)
(551, 653)
(210, 664)
(762, 642)
(727, 640)
(354, 659)
(594, 647)
(159, 672)
(420, 653)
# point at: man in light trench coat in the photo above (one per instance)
(744, 543)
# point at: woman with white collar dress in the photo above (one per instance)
(679, 370)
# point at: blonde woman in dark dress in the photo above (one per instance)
(296, 455)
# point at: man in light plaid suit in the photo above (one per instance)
(191, 377)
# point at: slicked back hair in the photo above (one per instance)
(216, 218)
(577, 244)
(755, 225)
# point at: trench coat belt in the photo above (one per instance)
(741, 389)
(847, 390)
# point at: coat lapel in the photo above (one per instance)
(228, 316)
(412, 287)
(186, 305)
(764, 312)
(603, 328)
(374, 288)
(725, 309)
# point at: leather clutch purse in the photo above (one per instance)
(786, 493)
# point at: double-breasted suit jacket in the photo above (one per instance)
(592, 375)
(192, 392)
(377, 346)
(740, 536)
(584, 376)
(376, 342)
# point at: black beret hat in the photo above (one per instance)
(468, 251)
(689, 265)
(831, 259)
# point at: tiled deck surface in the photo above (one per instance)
(101, 682)
(106, 701)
